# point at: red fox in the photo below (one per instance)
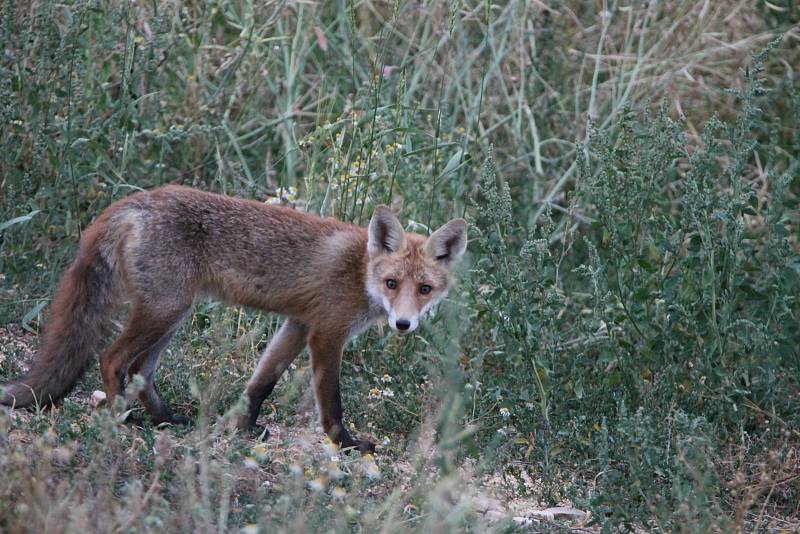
(163, 250)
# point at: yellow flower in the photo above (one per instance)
(369, 467)
(260, 451)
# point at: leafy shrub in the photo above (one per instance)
(668, 284)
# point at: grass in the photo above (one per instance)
(624, 337)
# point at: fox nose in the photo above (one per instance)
(402, 324)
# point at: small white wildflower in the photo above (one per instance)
(388, 393)
(375, 393)
(250, 463)
(339, 493)
(250, 528)
(505, 413)
(386, 378)
(386, 441)
(331, 448)
(318, 484)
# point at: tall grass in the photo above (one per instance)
(625, 334)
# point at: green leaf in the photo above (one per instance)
(31, 315)
(18, 220)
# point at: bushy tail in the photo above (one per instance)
(77, 325)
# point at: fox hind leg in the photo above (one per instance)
(145, 365)
(145, 335)
(286, 344)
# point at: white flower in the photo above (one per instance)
(318, 484)
(331, 449)
(250, 463)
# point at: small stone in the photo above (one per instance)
(98, 397)
(560, 512)
(494, 515)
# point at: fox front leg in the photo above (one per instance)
(326, 361)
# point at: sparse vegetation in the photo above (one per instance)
(625, 338)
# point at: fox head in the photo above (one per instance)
(408, 273)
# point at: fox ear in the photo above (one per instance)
(448, 243)
(386, 234)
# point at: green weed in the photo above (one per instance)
(625, 334)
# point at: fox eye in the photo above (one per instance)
(425, 289)
(391, 283)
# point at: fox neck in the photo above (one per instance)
(374, 313)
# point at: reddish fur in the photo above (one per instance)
(77, 325)
(166, 248)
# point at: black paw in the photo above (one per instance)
(247, 426)
(366, 447)
(178, 420)
(134, 420)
